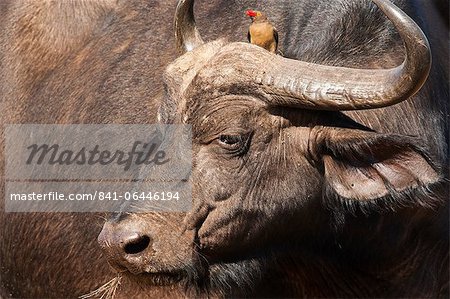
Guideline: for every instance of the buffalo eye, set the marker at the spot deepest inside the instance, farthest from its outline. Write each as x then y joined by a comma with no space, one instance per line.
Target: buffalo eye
236,144
230,140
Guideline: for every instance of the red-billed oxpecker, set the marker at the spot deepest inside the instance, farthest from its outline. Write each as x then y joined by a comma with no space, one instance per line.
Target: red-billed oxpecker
261,32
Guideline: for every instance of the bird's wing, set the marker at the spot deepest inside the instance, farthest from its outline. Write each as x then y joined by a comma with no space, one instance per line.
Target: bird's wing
249,36
275,36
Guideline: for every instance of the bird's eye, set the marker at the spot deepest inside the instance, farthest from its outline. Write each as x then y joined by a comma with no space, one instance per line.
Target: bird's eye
235,144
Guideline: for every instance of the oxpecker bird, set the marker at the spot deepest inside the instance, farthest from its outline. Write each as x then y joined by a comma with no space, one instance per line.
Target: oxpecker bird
261,32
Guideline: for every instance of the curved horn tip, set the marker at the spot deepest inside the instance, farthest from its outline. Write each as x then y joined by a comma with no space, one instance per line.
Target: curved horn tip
414,39
186,34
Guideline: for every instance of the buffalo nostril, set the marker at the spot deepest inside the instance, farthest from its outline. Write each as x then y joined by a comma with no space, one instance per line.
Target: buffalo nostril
137,244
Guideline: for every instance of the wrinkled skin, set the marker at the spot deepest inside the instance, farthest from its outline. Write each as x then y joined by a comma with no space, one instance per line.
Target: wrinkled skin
272,233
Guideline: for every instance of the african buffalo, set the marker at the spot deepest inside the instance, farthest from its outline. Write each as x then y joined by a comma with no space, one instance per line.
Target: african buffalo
298,189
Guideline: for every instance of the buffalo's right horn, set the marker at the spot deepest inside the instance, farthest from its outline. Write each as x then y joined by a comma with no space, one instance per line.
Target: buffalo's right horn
186,33
312,86
293,83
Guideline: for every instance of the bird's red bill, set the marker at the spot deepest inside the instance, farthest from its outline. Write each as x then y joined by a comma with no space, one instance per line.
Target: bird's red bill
250,13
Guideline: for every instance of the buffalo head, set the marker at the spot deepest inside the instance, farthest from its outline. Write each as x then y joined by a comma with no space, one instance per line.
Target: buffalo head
275,163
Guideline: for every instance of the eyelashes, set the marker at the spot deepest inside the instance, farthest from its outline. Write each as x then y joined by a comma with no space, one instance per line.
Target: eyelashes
235,144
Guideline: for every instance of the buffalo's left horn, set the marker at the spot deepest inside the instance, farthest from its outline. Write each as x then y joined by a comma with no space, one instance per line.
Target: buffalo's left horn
186,33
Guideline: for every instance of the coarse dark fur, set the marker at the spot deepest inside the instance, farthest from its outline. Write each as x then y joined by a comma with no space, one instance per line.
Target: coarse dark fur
302,239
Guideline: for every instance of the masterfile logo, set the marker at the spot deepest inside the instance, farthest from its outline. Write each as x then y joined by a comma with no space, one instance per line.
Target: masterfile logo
90,168
53,154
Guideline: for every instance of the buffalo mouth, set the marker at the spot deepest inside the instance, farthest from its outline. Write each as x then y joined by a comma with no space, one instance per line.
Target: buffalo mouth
163,278
149,277
185,274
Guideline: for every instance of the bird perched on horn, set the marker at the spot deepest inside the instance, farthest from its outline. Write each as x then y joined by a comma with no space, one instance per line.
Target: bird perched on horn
261,32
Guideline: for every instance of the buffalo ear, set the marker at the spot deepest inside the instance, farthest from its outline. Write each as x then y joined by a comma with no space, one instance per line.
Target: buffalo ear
368,167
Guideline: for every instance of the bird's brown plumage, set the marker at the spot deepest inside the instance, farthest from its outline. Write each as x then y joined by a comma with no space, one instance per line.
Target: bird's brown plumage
261,32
